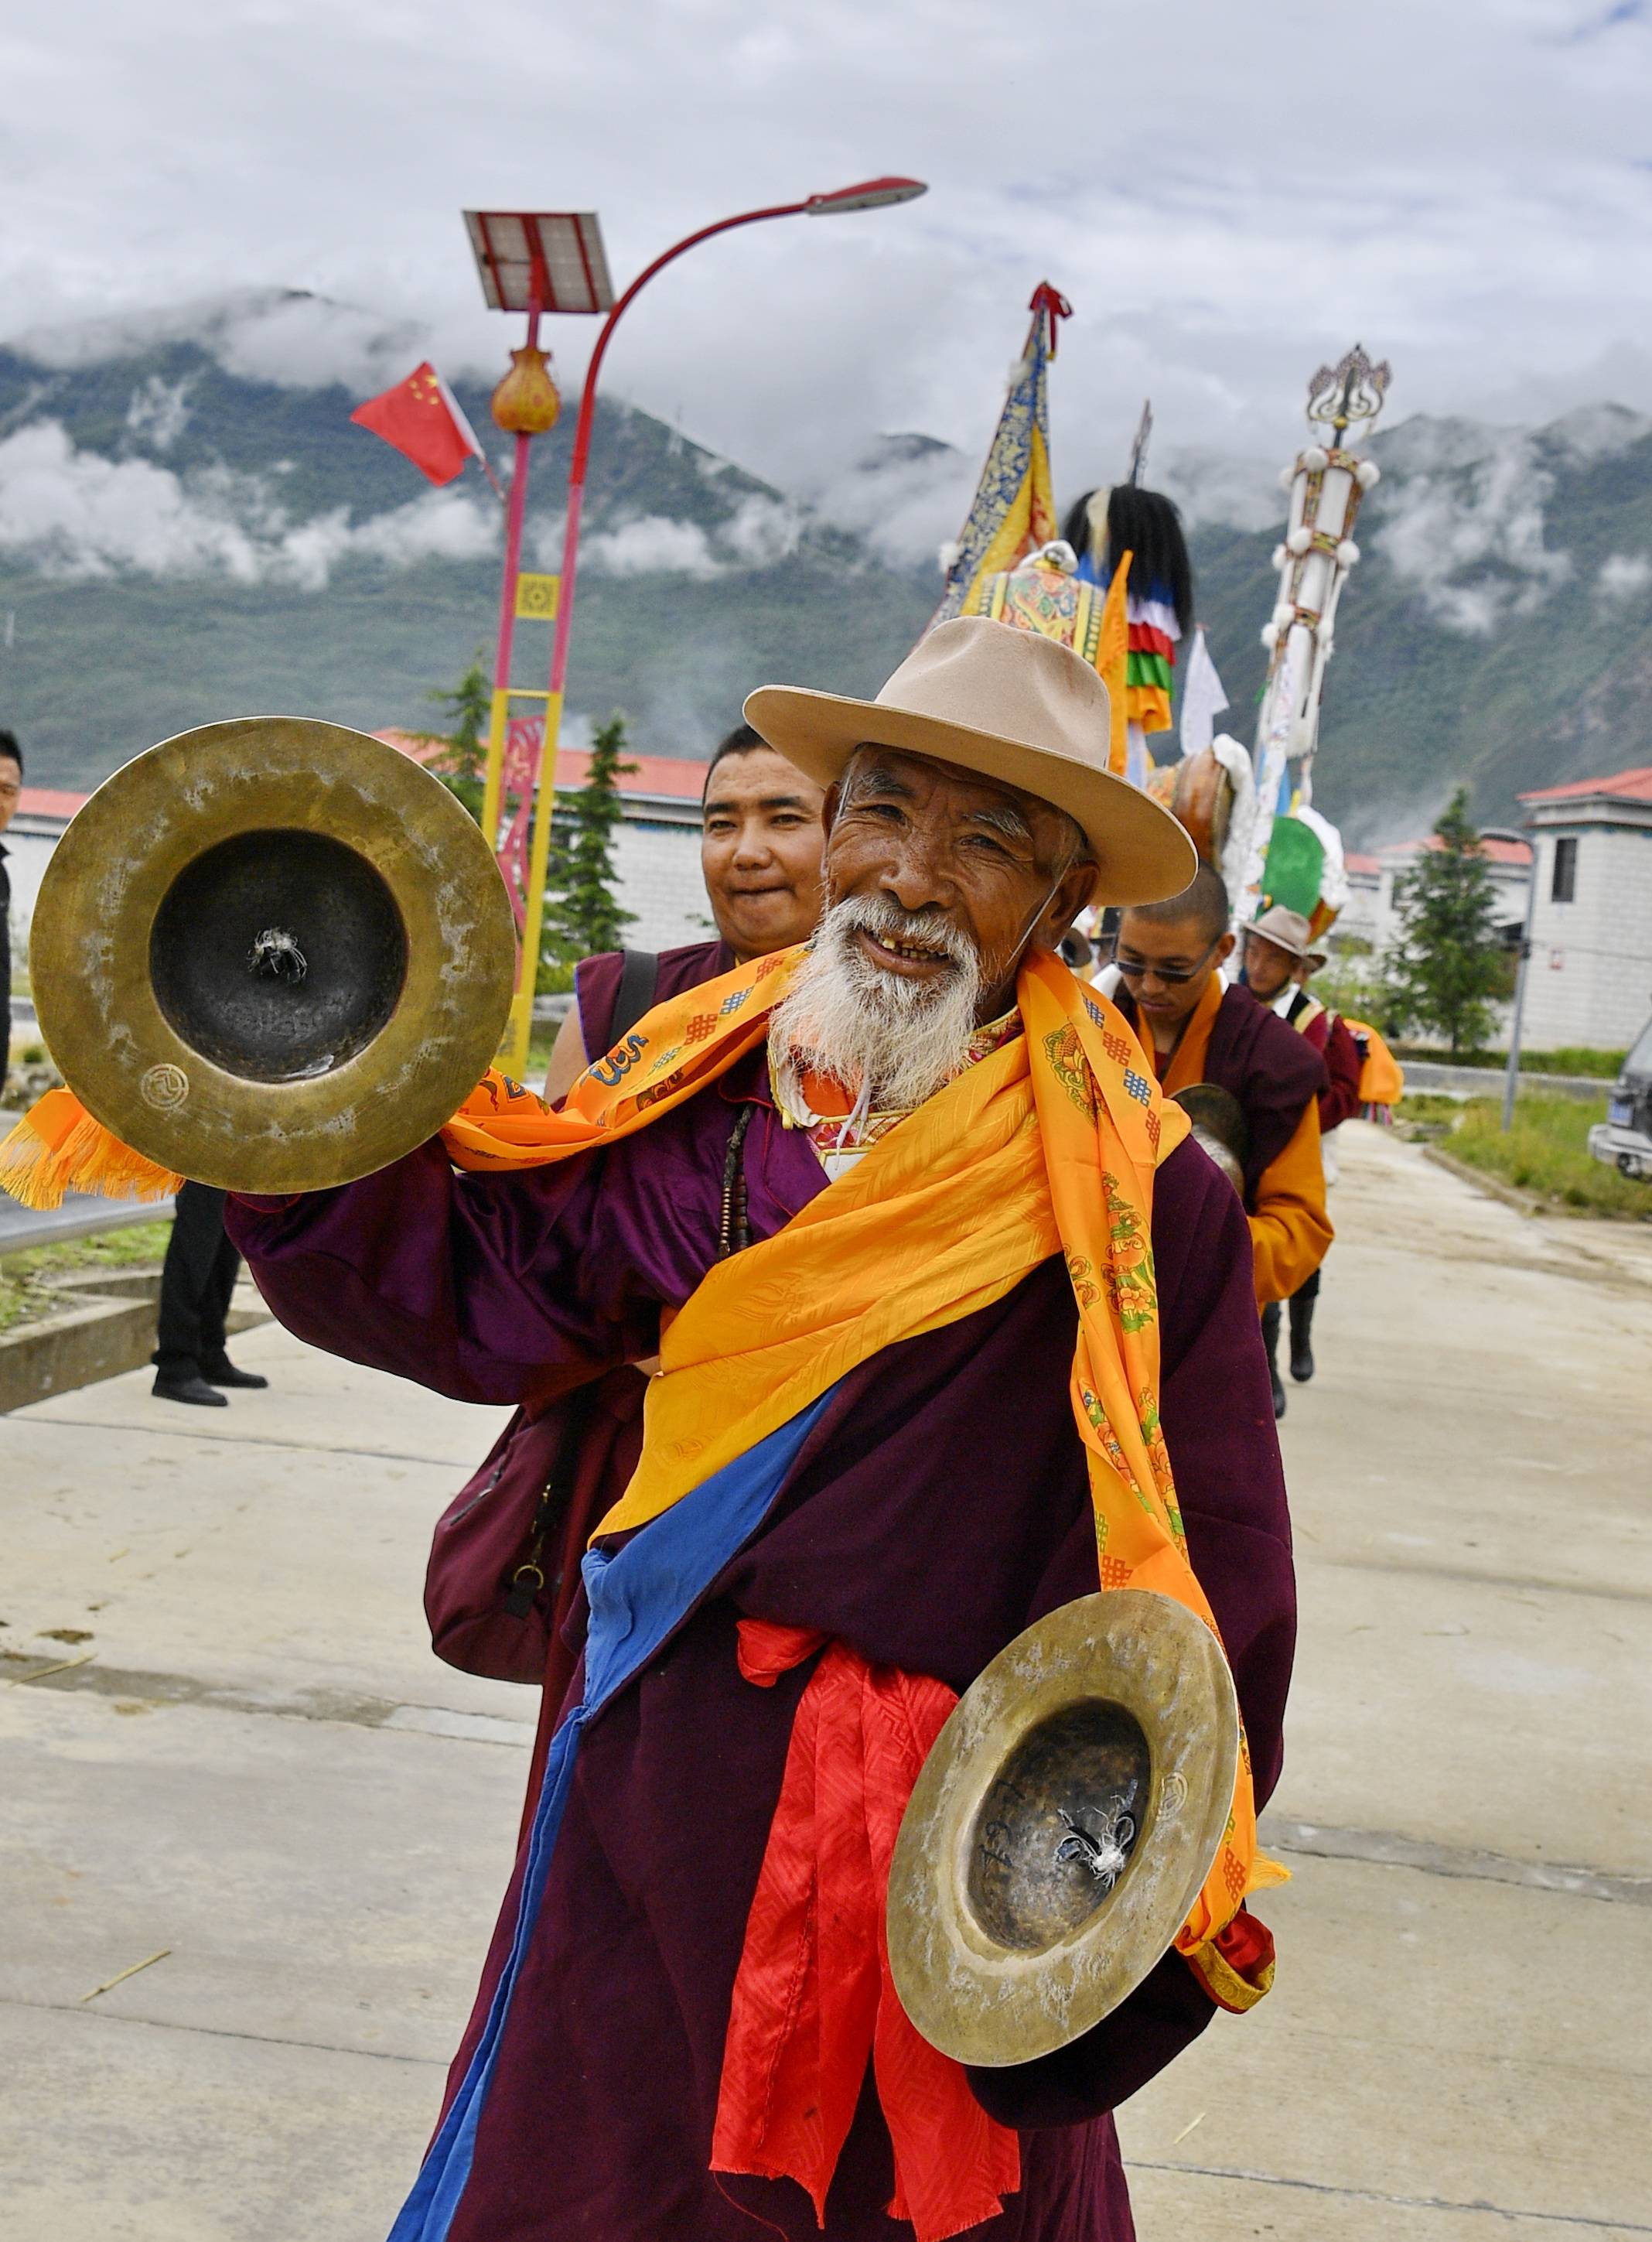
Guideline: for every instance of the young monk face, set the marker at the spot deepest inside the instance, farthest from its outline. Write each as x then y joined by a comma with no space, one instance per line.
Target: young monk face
1167,965
938,872
1268,968
760,845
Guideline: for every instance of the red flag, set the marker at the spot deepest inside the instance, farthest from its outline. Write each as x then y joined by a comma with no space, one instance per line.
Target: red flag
420,417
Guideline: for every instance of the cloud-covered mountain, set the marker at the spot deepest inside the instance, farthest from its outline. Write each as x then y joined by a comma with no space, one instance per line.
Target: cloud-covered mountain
190,528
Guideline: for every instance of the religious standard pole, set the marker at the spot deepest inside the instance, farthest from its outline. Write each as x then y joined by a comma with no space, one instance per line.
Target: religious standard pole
874,194
1325,483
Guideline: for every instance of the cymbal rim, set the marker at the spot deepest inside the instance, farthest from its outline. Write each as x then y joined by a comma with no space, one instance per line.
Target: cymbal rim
990,2005
128,1063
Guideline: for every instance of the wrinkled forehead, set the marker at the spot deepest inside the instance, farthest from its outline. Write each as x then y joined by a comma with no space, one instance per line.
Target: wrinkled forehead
946,791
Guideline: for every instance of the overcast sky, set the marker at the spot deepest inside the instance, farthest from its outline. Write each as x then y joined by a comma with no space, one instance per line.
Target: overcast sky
1227,192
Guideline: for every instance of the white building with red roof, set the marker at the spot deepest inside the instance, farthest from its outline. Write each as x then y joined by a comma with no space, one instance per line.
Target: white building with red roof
1590,980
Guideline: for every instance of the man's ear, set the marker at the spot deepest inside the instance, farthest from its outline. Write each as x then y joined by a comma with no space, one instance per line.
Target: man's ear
1070,896
1225,947
830,806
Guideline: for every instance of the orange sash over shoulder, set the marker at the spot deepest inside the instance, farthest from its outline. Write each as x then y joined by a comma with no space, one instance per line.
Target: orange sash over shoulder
1048,1145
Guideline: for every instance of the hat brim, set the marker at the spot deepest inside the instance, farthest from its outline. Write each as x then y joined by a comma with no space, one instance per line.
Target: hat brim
1143,853
1280,941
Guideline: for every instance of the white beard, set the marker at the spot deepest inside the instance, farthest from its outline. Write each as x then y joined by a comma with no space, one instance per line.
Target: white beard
896,1040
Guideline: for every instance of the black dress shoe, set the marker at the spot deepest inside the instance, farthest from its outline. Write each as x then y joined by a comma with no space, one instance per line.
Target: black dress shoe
226,1373
1279,1391
196,1391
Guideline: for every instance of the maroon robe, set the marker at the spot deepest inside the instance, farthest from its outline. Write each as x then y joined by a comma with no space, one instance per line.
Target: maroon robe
941,1505
1271,1070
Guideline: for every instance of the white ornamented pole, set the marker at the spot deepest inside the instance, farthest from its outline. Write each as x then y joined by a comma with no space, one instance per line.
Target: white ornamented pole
1325,485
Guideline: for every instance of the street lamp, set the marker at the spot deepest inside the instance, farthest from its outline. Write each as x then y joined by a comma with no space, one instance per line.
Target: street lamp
540,780
1511,1075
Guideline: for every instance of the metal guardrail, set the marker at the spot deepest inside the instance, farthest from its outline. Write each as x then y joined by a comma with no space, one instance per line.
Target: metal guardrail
1487,1081
80,1216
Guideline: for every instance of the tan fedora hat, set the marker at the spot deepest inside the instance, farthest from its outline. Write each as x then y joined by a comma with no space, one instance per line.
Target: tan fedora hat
1009,704
1287,930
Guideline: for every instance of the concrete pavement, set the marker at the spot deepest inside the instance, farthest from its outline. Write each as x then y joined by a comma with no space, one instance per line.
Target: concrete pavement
261,1769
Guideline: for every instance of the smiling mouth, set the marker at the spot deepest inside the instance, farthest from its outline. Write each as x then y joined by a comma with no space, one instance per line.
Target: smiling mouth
902,954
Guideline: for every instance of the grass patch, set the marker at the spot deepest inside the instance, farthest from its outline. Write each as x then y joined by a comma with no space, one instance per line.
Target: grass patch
1547,1151
1574,1058
27,1280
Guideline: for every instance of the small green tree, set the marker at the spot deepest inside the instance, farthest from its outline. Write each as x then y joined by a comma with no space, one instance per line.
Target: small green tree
463,768
582,914
1448,962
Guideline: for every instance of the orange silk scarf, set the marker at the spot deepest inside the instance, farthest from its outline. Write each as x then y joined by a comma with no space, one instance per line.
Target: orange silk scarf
1048,1145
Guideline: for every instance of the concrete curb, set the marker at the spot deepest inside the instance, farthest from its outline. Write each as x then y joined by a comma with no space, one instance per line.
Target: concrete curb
1523,1201
106,1327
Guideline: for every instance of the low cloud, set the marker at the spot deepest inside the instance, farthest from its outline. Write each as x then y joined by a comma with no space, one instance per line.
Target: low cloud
159,410
76,516
653,544
290,337
759,532
904,494
1625,576
1466,526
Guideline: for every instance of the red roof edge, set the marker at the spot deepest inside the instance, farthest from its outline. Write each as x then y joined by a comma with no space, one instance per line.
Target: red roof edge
1623,785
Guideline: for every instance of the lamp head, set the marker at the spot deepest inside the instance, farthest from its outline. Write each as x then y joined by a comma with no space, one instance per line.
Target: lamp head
870,194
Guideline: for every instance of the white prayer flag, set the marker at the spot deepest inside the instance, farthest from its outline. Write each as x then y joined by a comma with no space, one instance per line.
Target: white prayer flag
1202,698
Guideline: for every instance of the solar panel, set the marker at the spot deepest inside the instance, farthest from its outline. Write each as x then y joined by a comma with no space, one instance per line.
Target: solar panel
555,255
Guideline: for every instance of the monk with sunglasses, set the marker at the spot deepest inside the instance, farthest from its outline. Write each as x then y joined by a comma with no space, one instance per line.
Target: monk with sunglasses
1199,1030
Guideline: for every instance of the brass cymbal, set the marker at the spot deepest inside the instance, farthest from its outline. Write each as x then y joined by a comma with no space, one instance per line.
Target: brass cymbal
273,955
1062,1826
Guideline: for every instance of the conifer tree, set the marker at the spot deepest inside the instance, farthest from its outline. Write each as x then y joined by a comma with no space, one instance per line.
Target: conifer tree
1448,962
463,767
582,913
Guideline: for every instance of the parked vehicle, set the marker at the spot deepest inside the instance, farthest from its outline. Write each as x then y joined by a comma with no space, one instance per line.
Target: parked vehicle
1623,1140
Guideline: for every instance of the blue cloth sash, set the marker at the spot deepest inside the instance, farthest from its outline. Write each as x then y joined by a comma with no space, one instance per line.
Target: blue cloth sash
638,1595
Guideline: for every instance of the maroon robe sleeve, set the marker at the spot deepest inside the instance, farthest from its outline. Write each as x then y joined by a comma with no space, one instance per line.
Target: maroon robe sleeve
1340,1101
1216,1407
483,1287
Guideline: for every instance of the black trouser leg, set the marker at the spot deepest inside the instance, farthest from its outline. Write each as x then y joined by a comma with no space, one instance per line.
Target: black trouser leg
1270,1340
215,1309
196,1283
1302,1329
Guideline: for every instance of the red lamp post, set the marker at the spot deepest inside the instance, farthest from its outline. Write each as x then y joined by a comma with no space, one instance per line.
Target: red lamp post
870,194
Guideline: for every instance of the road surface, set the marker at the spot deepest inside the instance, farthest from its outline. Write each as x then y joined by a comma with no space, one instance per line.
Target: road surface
260,1769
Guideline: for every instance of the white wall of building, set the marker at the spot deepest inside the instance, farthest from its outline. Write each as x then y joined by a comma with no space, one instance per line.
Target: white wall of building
1590,978
29,843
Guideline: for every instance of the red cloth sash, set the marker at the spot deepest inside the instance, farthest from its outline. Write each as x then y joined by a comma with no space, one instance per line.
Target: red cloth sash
813,1998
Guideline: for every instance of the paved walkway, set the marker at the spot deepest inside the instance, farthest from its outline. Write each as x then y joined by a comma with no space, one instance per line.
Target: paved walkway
261,1768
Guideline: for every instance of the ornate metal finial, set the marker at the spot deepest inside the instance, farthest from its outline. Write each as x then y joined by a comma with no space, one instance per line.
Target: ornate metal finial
1350,390
1139,448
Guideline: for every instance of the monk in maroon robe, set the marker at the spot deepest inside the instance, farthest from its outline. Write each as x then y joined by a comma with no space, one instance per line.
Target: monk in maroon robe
937,1502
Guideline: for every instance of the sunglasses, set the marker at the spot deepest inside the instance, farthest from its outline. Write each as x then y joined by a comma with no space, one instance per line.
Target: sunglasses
1172,978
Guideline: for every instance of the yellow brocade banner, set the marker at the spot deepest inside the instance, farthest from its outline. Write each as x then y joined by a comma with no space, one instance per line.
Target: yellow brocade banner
1048,1145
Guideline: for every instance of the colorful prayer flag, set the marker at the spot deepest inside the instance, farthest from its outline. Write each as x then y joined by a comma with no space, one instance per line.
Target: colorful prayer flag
1013,509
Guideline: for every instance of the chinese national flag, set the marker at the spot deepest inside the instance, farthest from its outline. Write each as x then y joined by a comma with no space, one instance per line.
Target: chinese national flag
422,419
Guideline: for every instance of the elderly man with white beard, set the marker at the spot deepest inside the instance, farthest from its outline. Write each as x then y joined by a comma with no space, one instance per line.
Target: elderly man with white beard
955,1325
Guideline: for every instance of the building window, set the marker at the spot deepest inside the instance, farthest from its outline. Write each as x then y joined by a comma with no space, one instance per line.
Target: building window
1563,886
